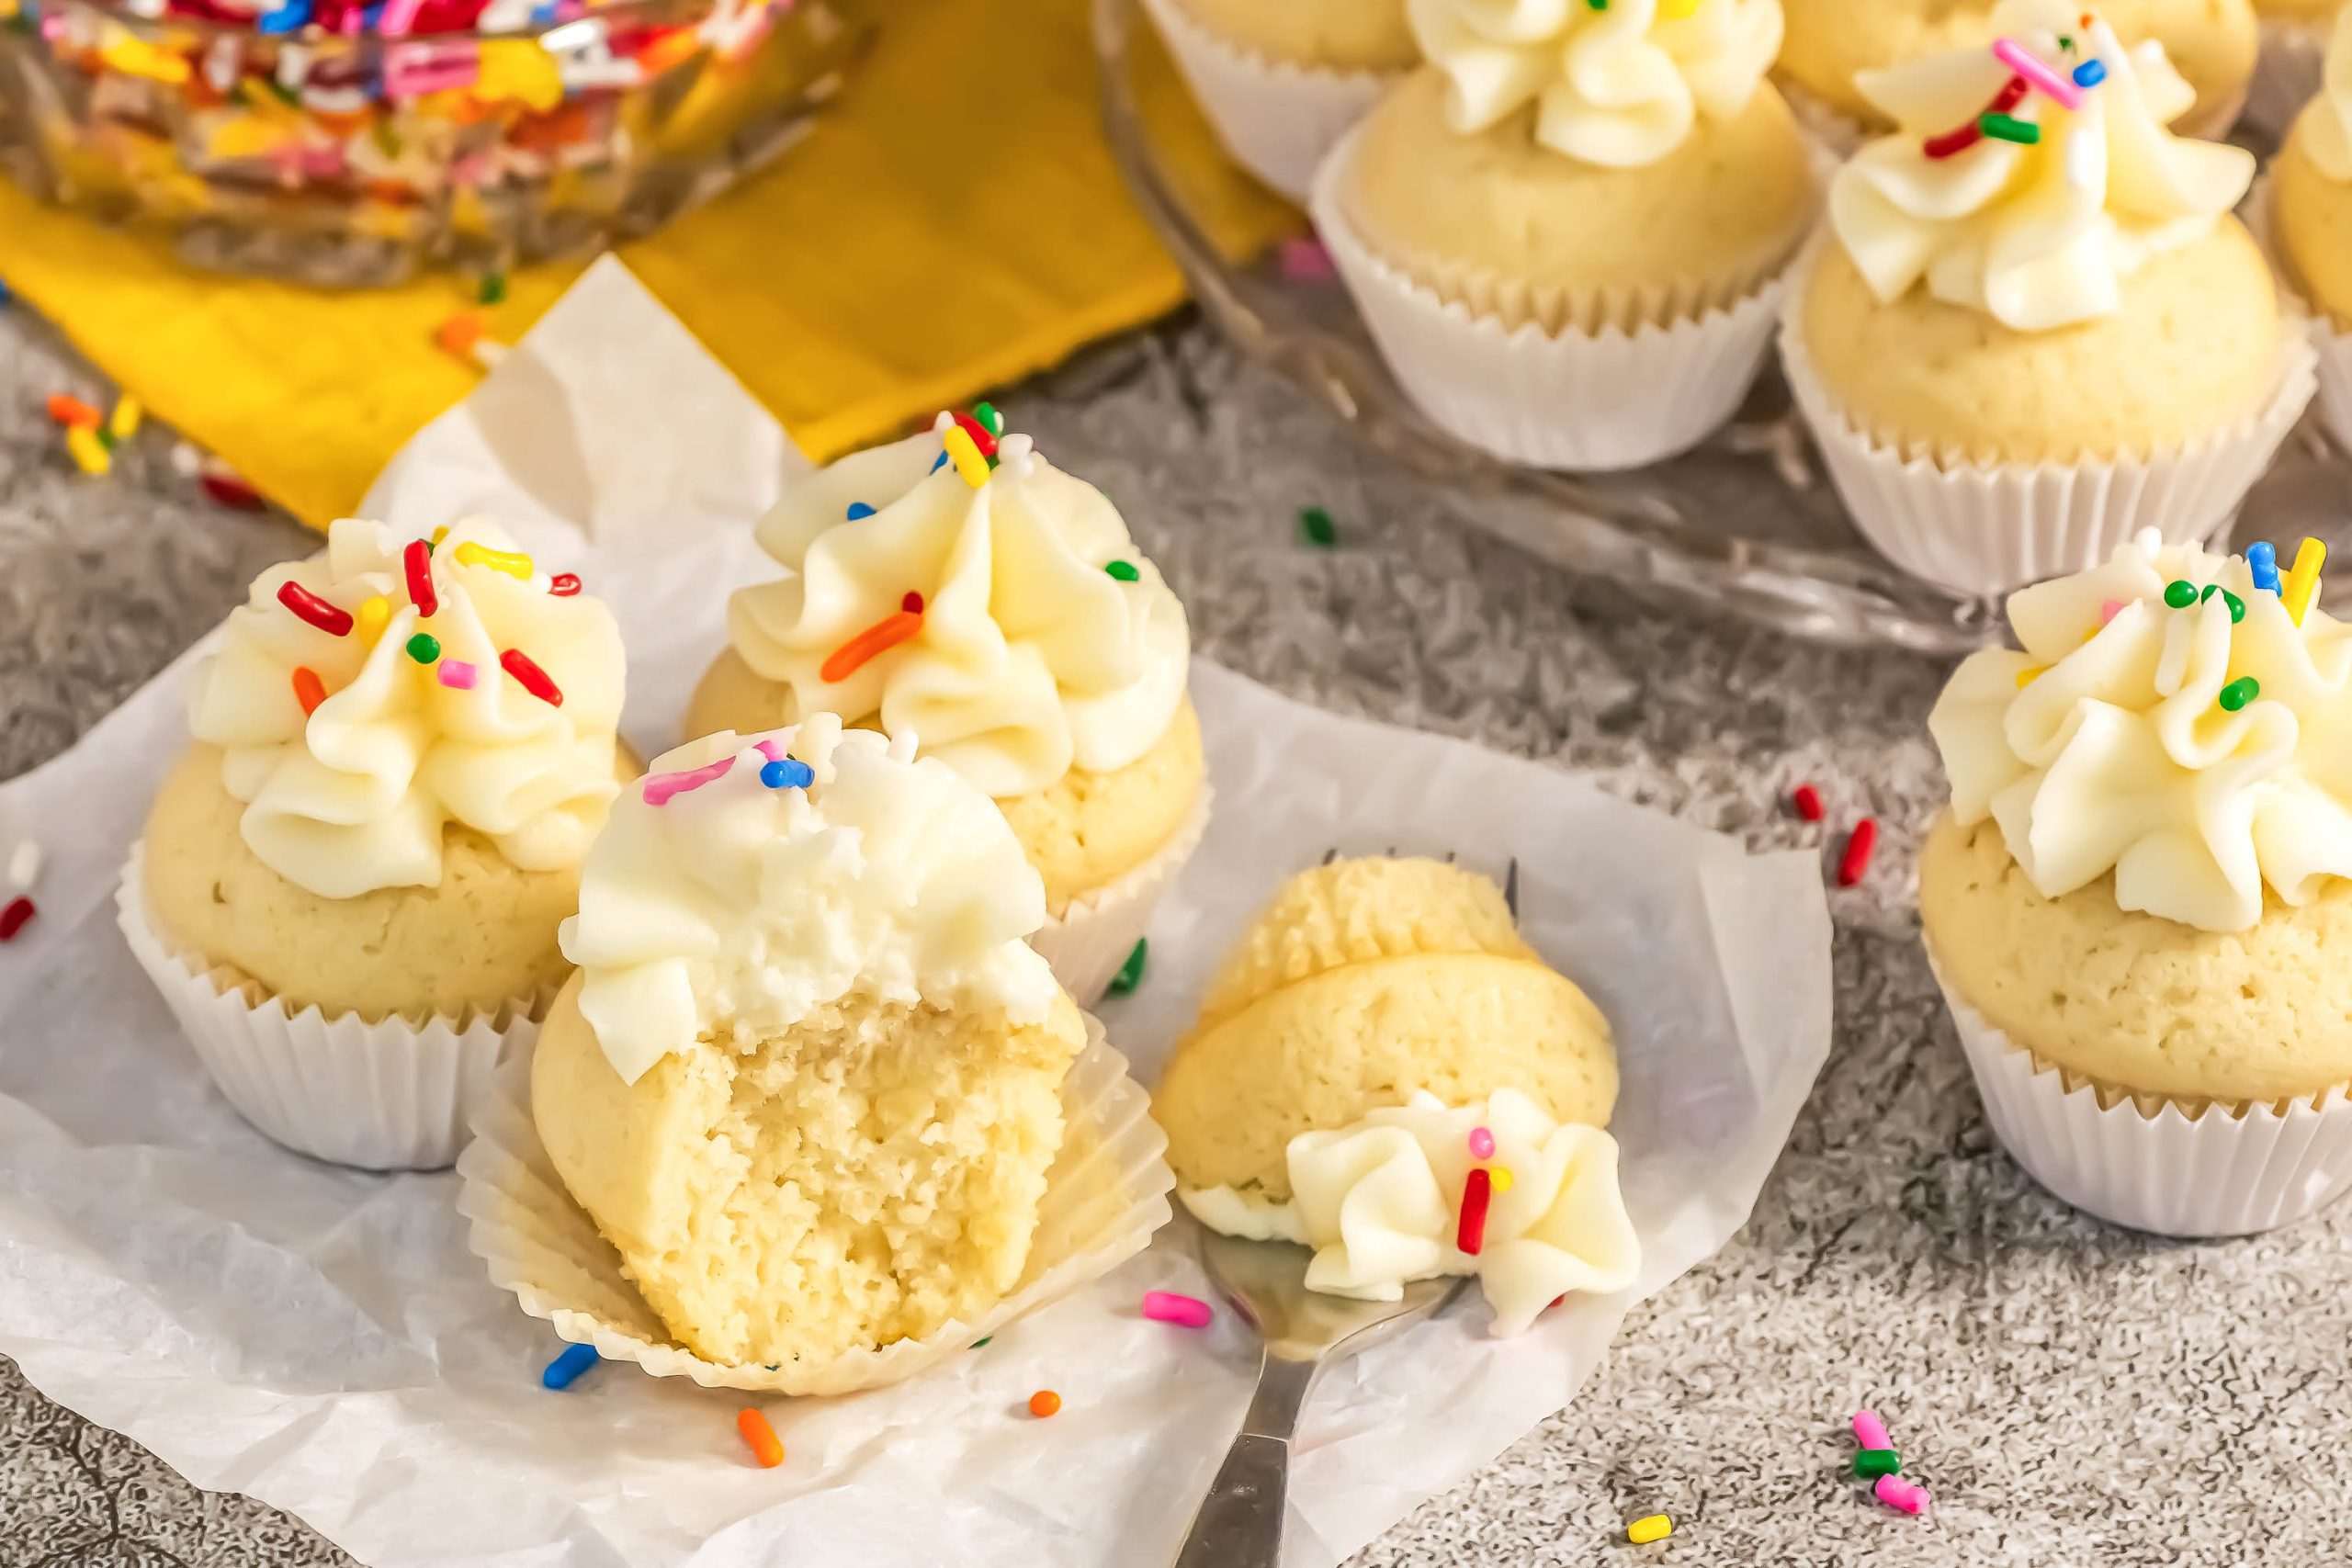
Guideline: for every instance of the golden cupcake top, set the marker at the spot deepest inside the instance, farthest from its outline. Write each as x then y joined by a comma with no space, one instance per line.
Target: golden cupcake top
2326,129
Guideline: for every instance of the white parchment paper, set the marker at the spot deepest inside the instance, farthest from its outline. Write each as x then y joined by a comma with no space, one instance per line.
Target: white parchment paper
323,1341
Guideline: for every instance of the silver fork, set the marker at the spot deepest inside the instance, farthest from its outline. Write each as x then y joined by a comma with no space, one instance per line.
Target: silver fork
1301,1332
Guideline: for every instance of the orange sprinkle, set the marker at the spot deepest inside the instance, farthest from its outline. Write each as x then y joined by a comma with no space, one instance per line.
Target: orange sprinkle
877,638
308,690
74,413
1044,1403
458,335
766,1447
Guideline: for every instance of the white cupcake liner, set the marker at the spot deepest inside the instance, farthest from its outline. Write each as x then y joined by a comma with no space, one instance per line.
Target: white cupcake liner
1988,528
2226,1171
1105,1195
1580,400
2332,345
390,1095
1276,119
2286,74
1088,944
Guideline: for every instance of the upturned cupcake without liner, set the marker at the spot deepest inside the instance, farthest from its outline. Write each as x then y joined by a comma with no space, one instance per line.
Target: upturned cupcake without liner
1088,944
2287,74
1987,529
1105,1195
1588,402
2148,1162
382,1095
1275,120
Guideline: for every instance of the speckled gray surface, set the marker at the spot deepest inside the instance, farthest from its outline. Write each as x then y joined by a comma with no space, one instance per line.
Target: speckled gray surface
2071,1394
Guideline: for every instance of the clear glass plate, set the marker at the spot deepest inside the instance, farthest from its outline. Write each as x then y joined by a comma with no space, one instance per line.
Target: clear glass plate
1748,523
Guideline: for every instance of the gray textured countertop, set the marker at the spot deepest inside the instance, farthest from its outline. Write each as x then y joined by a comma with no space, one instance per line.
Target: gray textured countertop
2071,1394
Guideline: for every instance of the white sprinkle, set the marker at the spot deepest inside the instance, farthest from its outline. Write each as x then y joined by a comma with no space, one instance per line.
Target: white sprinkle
187,461
24,865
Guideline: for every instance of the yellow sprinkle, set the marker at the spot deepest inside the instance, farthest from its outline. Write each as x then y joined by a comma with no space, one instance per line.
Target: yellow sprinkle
967,456
1501,1177
136,57
1658,1527
440,534
373,613
128,412
1675,10
2303,582
89,452
2030,673
512,563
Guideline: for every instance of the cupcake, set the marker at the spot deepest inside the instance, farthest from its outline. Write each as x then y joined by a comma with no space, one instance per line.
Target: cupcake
2213,43
2310,212
2294,43
825,1108
976,597
1282,80
2133,898
1568,232
2032,329
349,887
1384,1072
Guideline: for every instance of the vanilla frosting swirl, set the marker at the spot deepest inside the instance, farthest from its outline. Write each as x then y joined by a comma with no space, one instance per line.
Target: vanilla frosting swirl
2104,747
717,904
1618,87
1031,658
354,796
2326,125
1380,1204
2036,236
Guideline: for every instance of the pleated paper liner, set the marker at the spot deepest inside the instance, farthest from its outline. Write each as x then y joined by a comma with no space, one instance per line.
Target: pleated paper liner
390,1095
1984,528
1589,400
2288,73
1106,1194
1088,942
1277,121
2152,1163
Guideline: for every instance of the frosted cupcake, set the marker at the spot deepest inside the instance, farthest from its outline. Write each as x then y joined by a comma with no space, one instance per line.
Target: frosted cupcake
1383,1071
2310,211
1282,80
995,608
2213,43
349,887
2147,865
1568,234
831,1117
2294,43
2033,327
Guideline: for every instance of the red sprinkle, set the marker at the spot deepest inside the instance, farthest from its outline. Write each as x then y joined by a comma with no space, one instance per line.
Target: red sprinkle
230,492
13,918
530,677
417,562
308,690
1856,862
1961,138
979,434
1476,1193
308,606
1807,800
564,584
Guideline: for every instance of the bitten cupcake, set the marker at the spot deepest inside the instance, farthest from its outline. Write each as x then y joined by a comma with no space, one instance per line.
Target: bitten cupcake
2213,43
1282,80
1383,1071
2294,40
2034,326
2309,211
2135,899
832,1119
958,588
1568,234
349,887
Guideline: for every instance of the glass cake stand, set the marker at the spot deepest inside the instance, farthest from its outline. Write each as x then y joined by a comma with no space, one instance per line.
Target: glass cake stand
1748,523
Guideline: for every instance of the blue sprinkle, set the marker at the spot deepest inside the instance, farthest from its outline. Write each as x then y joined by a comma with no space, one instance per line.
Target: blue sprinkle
787,772
565,1369
4,295
290,17
2262,560
2090,73
941,464
859,510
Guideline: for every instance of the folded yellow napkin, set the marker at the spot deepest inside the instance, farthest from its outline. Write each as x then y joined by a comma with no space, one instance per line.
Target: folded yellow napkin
952,222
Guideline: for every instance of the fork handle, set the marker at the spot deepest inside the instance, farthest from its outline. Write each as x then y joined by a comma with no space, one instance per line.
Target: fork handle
1240,1521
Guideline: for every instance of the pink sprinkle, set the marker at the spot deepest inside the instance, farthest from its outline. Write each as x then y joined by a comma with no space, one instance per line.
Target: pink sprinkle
2028,64
1870,1431
661,787
771,749
1482,1144
458,674
1166,1306
398,17
1306,261
1897,1492
2108,610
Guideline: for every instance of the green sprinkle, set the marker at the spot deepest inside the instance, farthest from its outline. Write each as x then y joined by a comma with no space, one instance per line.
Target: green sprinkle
493,288
1125,570
424,648
977,1343
2236,604
2009,128
1319,527
106,437
1877,1461
2239,693
2181,595
1130,974
988,418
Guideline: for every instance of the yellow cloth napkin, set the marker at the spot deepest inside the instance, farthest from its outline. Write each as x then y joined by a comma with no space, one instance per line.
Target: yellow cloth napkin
952,222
